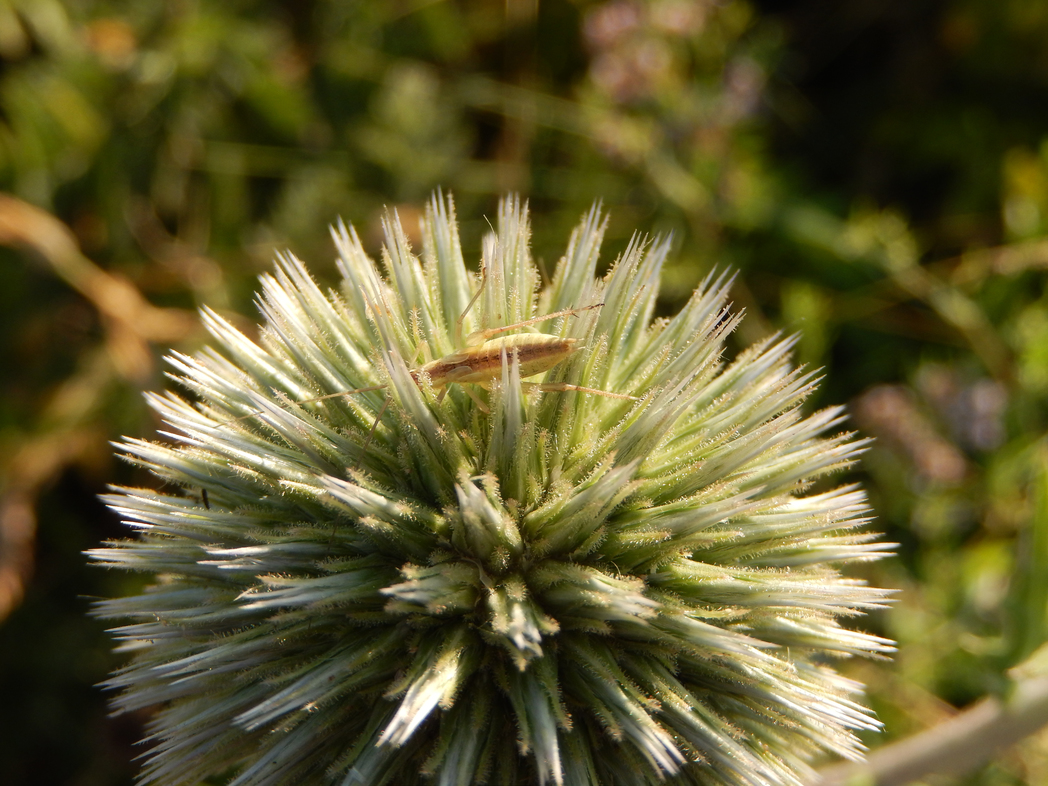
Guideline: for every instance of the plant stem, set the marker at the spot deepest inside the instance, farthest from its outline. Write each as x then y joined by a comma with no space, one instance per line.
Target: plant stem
955,746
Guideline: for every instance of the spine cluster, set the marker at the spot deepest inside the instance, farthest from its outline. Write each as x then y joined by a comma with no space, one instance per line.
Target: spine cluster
510,582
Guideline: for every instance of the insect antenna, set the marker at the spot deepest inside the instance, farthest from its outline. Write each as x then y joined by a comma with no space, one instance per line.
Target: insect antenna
469,305
255,413
367,441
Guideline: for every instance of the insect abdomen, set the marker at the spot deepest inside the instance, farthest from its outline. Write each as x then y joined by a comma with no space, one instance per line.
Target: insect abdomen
480,365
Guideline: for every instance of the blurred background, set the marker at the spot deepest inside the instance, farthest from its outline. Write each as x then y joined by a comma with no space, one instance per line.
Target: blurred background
877,170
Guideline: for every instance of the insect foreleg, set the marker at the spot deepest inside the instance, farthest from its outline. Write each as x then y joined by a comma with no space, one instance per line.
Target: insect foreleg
469,391
455,376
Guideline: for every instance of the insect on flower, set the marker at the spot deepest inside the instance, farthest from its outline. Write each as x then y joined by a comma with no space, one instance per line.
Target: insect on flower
481,362
547,590
483,356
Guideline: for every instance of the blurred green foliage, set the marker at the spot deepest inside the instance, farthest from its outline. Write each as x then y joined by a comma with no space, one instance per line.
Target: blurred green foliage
877,171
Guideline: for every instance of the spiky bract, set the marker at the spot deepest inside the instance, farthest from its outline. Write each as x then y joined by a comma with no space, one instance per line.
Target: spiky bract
556,587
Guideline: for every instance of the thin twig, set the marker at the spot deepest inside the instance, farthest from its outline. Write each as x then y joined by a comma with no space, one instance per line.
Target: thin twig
954,747
131,321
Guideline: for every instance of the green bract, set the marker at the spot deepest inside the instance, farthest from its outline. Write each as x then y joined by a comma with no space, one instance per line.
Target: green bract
553,588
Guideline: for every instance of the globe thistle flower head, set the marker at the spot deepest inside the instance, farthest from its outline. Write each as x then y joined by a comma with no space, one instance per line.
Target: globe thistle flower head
411,547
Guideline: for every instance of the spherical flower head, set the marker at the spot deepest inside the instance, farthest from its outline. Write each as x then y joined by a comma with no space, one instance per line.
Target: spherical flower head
412,547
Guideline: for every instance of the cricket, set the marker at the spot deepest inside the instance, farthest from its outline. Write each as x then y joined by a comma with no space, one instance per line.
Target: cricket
480,361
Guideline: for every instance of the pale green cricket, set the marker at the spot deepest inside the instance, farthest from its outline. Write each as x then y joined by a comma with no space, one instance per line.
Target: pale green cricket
481,360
